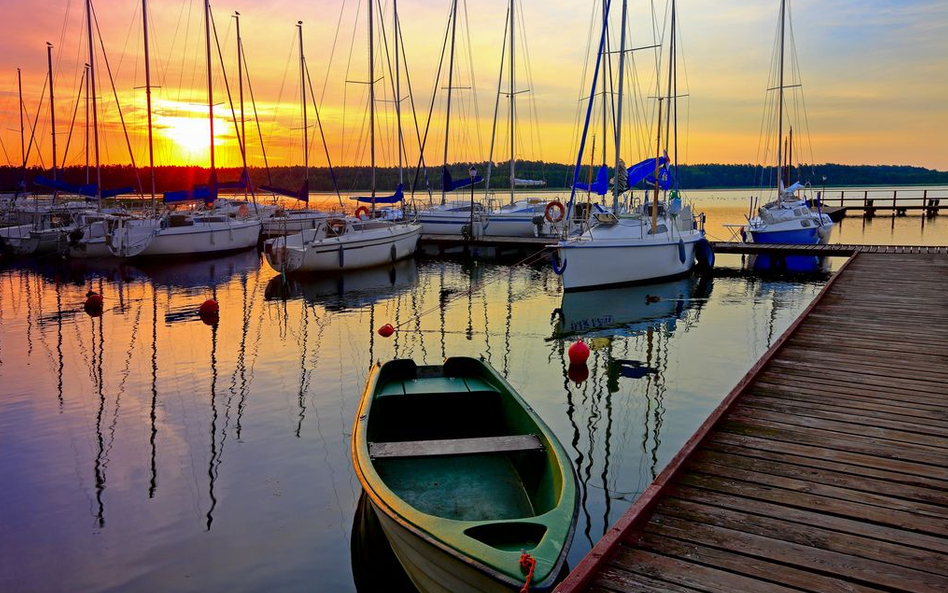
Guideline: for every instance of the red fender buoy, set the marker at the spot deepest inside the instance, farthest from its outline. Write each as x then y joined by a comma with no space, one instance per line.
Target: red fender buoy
209,312
93,304
386,330
578,352
209,307
360,211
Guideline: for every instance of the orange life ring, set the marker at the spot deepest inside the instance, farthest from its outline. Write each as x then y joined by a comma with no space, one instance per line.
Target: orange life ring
243,211
560,211
360,210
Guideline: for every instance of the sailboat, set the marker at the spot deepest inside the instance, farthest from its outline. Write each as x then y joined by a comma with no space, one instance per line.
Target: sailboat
347,243
291,221
788,218
462,215
656,241
519,217
192,231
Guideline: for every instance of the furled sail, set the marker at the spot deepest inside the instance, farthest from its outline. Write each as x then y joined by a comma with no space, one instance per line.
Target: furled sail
88,190
645,171
207,193
601,184
450,185
398,196
302,194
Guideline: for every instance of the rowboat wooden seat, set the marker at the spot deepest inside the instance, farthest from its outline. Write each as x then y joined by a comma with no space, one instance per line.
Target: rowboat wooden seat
472,446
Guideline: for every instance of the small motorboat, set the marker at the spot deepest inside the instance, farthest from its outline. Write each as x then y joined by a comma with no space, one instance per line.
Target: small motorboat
471,488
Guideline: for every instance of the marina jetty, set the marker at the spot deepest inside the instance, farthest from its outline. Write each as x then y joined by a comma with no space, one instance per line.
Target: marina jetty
824,469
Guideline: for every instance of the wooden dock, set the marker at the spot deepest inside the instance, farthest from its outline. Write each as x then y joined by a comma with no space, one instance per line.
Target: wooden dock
824,469
829,249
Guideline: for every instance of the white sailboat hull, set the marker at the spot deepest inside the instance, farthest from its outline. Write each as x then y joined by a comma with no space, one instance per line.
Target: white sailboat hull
91,249
291,223
602,262
365,249
212,237
148,238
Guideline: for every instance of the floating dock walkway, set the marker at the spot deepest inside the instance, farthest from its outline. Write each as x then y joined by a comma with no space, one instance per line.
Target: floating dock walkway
824,469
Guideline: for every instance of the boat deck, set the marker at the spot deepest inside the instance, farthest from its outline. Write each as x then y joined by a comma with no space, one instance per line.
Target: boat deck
824,469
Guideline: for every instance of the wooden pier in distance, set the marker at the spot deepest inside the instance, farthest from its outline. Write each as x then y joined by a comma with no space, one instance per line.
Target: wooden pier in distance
824,469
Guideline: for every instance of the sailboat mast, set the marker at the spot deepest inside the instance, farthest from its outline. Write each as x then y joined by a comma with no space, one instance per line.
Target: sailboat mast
398,94
658,149
615,187
151,147
86,74
372,100
447,121
52,104
783,8
299,26
210,94
675,92
240,84
19,84
513,125
605,64
95,117
671,78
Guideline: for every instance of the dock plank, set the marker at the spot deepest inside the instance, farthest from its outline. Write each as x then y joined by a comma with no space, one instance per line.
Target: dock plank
826,467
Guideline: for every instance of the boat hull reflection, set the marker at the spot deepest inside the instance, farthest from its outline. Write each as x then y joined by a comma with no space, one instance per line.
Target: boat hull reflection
628,310
802,264
374,565
344,290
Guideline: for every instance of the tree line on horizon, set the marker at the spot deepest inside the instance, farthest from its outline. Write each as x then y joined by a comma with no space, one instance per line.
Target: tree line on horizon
556,176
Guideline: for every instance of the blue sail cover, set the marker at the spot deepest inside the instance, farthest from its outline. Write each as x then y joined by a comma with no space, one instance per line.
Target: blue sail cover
600,186
188,195
88,190
398,196
241,183
207,193
302,194
664,179
645,171
451,185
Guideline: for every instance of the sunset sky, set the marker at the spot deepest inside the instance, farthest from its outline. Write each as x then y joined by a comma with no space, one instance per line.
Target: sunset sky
874,75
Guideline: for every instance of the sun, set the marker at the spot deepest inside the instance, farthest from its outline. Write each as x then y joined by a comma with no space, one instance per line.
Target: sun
190,134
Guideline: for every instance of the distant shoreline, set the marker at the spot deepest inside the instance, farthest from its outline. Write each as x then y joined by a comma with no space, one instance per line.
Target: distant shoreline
556,175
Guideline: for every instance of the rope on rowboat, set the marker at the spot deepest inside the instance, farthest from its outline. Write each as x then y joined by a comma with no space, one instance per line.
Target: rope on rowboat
527,564
447,298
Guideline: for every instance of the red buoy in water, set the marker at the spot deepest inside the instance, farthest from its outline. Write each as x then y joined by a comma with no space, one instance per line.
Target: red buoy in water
386,330
578,373
209,307
578,352
209,312
93,304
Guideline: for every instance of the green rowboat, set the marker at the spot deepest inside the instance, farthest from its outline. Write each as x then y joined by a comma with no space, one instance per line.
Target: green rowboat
464,477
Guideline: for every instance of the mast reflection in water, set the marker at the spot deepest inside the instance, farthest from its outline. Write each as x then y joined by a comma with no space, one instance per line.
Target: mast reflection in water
146,450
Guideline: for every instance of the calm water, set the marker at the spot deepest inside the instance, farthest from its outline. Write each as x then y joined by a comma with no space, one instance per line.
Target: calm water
144,450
